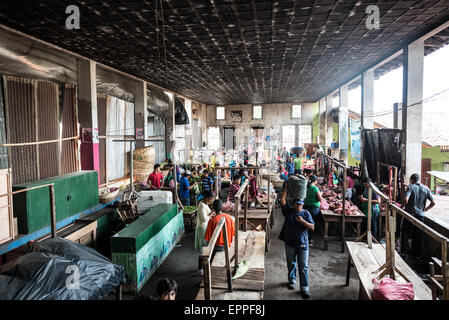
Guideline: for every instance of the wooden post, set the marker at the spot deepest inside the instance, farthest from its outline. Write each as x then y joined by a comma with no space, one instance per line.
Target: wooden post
387,232
368,229
444,270
217,189
207,279
392,250
343,217
245,225
228,263
395,187
432,275
269,191
175,180
53,211
237,227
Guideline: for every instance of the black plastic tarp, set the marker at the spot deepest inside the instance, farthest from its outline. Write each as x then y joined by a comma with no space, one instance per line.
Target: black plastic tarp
382,145
158,102
181,116
59,269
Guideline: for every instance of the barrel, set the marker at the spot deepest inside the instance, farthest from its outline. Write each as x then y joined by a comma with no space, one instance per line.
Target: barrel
297,187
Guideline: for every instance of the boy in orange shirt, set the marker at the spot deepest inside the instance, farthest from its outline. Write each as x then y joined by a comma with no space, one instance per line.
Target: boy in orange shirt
213,222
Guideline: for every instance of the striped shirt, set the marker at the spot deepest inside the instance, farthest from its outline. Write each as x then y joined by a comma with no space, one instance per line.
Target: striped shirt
207,183
233,189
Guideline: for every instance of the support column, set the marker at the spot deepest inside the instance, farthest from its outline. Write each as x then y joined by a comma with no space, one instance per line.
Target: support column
140,113
87,116
397,116
330,123
323,121
368,100
412,108
343,123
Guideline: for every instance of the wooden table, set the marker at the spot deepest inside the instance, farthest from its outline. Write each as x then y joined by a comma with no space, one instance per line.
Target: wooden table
258,217
251,285
367,261
330,216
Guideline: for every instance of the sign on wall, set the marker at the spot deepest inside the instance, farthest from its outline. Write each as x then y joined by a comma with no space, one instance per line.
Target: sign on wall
354,126
236,116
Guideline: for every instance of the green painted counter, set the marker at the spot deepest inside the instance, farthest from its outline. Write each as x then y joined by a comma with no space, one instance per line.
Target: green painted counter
74,192
143,245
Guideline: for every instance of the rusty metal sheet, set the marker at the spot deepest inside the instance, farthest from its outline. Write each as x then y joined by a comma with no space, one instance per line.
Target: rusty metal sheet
3,150
21,127
47,120
101,110
69,148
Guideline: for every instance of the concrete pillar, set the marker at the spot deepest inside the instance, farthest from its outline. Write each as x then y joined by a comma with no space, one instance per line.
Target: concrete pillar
323,122
412,107
140,113
297,136
397,116
343,123
87,116
367,100
330,123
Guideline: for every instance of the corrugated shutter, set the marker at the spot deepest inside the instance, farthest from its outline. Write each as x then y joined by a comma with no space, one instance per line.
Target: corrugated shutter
21,127
3,150
101,109
47,120
69,148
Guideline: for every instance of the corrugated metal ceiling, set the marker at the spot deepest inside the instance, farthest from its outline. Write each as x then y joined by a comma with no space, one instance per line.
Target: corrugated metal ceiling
229,51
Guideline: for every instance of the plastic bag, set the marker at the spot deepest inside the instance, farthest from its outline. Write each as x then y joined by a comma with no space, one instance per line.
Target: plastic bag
59,269
297,187
389,289
324,205
181,116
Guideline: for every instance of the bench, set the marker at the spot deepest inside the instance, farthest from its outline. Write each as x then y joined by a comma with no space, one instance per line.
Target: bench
367,263
251,285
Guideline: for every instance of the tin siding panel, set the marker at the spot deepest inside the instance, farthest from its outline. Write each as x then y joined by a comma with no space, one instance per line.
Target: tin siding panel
20,115
101,109
47,111
3,150
69,151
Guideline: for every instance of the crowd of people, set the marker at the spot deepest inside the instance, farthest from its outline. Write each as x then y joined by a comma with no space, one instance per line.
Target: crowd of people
301,215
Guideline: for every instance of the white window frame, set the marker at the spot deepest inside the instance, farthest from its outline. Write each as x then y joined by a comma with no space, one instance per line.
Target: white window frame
224,113
261,111
300,111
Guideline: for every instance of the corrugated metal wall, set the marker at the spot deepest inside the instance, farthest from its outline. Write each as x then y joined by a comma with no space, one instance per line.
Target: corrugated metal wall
119,122
3,150
21,127
69,148
156,127
101,110
47,127
32,110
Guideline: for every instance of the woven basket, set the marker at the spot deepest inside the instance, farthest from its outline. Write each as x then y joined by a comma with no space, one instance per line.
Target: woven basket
146,154
137,164
141,175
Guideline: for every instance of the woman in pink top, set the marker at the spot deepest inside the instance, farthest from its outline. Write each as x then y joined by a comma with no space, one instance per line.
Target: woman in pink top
349,184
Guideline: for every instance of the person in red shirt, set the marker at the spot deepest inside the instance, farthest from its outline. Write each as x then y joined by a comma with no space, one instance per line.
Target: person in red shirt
213,222
155,179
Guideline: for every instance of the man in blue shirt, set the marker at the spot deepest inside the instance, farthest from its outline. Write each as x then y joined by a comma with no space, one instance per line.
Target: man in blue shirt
207,181
416,197
290,166
295,235
184,188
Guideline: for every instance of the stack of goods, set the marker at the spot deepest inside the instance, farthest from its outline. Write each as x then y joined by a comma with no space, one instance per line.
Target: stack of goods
335,202
143,163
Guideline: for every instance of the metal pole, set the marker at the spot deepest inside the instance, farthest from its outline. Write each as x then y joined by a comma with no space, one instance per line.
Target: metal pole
131,169
52,211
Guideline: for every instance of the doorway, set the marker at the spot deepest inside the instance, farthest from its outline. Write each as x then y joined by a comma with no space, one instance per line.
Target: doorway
229,138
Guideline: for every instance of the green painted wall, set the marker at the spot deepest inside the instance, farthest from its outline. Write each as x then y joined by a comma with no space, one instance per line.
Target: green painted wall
437,157
316,122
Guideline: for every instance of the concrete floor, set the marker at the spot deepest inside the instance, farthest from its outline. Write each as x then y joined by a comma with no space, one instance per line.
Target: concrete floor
327,270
